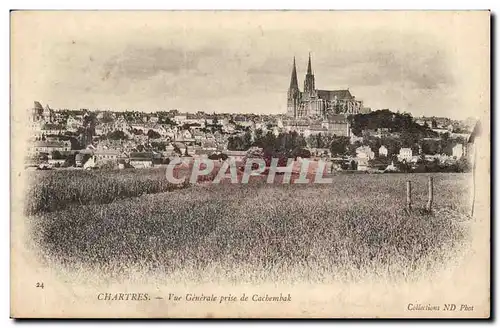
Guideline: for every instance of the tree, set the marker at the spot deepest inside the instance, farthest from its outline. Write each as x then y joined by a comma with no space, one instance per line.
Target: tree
75,145
137,132
247,140
301,152
107,117
161,146
70,161
56,154
153,134
319,139
339,146
312,141
117,135
430,147
352,147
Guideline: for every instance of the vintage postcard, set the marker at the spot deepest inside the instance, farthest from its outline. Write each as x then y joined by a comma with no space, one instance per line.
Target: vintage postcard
250,164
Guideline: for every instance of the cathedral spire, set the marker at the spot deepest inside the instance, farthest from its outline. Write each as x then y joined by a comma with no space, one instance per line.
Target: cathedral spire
309,70
309,80
294,84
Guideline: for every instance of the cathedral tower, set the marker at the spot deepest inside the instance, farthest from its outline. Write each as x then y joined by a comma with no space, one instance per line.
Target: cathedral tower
309,86
293,93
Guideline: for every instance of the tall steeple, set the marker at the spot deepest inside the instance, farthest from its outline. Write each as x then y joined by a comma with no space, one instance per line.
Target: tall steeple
294,84
293,98
309,70
309,80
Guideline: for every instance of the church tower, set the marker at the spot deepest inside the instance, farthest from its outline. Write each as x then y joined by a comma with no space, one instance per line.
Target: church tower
312,106
309,86
293,93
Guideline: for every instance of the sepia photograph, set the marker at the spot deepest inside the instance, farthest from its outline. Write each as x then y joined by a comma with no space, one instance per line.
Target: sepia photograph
250,164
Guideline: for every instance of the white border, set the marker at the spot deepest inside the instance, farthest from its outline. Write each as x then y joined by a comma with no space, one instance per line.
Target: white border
178,5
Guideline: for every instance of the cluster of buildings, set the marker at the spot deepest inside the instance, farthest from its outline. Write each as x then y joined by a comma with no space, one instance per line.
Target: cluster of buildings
140,139
406,155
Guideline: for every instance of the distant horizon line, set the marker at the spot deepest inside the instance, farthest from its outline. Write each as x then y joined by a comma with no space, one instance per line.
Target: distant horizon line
211,112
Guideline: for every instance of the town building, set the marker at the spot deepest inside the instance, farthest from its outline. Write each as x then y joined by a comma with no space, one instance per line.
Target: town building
38,147
457,151
38,113
107,155
405,154
382,151
365,152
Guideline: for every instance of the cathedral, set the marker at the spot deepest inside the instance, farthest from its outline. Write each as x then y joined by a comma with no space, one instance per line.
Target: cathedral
315,103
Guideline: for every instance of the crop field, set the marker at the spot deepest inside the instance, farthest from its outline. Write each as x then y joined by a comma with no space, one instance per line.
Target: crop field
247,232
54,190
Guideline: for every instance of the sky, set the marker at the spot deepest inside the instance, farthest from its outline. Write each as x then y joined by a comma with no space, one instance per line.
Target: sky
433,63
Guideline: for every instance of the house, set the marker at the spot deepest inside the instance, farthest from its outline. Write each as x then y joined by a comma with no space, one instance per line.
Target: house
365,152
139,127
79,160
186,135
190,151
56,162
247,124
53,128
198,135
229,127
121,124
362,164
353,138
457,151
377,133
107,155
99,130
209,144
405,154
276,131
179,119
90,163
382,151
337,125
441,131
48,147
141,159
72,124
420,121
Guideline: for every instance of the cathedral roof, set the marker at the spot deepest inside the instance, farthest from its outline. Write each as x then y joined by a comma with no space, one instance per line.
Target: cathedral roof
331,94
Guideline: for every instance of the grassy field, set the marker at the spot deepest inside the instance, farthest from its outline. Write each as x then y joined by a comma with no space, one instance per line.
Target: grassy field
352,227
55,190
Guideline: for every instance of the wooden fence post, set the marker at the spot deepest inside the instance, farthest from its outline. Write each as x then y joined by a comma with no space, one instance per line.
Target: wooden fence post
408,196
431,194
